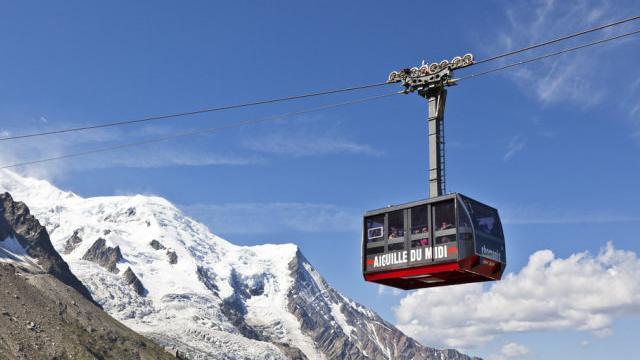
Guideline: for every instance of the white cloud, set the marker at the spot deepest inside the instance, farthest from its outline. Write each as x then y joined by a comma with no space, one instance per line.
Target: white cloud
510,351
191,151
299,144
516,144
382,290
577,77
154,155
582,292
256,218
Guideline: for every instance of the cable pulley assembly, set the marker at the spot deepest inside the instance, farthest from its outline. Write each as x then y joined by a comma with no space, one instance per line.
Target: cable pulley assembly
434,74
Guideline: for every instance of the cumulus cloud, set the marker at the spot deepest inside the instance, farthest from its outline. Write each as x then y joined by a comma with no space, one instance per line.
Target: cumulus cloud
250,218
510,351
583,292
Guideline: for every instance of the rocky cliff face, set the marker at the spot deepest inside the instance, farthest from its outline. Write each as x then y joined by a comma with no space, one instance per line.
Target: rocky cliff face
132,280
17,222
187,288
360,334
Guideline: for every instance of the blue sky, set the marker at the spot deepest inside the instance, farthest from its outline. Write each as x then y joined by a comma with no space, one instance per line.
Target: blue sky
554,145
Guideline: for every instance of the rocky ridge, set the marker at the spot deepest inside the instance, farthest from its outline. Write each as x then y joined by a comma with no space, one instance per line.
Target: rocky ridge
17,222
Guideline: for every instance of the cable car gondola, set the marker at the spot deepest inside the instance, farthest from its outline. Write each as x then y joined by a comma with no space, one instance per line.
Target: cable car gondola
447,239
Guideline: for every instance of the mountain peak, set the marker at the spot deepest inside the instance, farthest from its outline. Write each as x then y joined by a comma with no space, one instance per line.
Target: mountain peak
174,280
30,188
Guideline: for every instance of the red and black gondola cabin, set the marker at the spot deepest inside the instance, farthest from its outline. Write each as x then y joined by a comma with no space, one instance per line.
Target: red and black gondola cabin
446,240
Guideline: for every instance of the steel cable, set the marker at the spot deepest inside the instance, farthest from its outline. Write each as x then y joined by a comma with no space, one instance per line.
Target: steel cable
546,56
201,131
195,112
566,37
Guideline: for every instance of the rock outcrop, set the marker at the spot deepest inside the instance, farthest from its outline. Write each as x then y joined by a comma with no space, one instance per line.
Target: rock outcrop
156,245
105,256
16,221
173,257
132,280
72,242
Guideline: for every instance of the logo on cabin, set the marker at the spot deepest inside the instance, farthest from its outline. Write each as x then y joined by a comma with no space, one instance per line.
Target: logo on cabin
413,255
491,254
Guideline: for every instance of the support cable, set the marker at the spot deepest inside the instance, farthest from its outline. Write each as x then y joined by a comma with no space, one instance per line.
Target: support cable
202,131
327,92
566,37
195,112
545,56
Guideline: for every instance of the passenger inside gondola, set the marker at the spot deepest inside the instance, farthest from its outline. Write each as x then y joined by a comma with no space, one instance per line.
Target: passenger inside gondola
423,240
445,215
445,225
396,225
419,220
419,230
420,242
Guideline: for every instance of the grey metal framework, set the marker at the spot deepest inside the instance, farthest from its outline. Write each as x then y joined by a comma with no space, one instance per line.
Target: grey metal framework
429,81
436,97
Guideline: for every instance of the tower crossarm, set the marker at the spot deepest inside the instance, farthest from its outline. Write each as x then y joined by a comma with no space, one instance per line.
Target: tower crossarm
429,75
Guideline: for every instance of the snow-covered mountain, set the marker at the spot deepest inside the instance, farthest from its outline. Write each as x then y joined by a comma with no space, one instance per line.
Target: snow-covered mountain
46,312
168,277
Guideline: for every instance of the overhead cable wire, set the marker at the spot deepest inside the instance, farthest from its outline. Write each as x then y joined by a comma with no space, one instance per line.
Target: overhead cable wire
302,96
547,56
553,41
195,112
202,131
